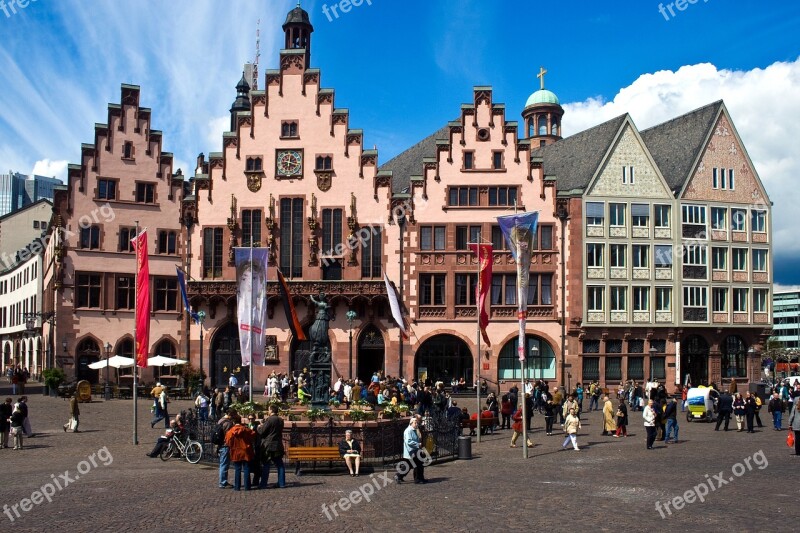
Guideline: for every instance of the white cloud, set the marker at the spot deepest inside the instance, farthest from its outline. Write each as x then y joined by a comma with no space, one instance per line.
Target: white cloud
51,169
763,103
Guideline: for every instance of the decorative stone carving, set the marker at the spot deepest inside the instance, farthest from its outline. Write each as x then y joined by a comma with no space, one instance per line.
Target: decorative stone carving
596,316
619,316
641,316
595,273
663,273
663,317
663,233
618,273
641,273
595,231
618,231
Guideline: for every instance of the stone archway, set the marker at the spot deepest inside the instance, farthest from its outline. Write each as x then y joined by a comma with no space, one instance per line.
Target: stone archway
226,356
442,358
370,353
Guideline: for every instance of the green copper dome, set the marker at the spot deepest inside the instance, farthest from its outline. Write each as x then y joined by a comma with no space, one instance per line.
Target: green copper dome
542,96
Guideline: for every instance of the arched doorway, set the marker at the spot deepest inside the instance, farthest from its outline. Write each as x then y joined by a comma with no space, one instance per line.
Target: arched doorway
371,353
442,358
694,360
226,356
87,353
540,360
734,357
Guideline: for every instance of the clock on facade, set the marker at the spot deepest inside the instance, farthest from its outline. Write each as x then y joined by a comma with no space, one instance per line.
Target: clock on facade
289,162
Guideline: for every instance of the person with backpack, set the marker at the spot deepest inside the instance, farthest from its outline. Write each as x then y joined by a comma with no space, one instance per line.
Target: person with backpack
218,438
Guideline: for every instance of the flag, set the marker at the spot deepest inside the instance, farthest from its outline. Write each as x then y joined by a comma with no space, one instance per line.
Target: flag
519,231
394,303
485,260
142,299
251,276
182,284
288,307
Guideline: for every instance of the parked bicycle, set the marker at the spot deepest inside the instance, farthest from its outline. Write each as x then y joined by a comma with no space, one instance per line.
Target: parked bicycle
182,445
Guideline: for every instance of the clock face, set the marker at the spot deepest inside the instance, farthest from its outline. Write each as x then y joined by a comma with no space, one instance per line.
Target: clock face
290,163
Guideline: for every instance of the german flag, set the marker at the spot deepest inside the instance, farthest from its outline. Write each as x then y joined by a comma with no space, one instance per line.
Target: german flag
288,307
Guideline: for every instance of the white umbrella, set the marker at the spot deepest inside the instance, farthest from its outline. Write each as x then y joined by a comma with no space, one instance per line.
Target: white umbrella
160,360
117,361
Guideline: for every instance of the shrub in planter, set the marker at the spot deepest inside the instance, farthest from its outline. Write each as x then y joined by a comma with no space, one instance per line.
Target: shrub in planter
53,377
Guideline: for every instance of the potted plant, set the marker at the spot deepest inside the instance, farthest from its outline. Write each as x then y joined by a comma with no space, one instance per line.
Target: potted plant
359,415
315,413
53,377
395,411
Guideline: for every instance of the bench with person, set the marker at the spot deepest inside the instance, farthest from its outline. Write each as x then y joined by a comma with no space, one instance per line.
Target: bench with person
313,454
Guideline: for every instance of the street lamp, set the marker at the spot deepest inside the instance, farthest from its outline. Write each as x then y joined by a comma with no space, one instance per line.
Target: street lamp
107,387
351,315
563,216
653,353
201,317
535,355
401,224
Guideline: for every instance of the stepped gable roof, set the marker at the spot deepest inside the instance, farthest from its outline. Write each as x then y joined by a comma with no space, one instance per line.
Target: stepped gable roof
409,162
676,144
575,160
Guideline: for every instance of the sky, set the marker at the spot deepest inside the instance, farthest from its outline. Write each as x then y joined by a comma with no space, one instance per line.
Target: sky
403,68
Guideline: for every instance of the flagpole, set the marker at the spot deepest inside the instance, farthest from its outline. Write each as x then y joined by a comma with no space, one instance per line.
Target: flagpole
252,276
478,336
135,349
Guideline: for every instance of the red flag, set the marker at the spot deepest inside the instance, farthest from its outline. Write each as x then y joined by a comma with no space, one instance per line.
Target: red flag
485,260
142,299
288,307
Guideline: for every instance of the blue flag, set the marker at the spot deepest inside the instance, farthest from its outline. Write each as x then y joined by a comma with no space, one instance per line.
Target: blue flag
182,283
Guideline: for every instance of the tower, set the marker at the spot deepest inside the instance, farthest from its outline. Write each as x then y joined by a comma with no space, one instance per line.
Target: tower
298,30
542,115
242,102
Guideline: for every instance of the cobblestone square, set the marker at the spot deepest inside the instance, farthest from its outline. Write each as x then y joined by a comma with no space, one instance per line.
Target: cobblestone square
611,484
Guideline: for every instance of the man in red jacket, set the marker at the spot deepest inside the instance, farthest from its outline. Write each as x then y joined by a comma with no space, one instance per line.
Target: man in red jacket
239,440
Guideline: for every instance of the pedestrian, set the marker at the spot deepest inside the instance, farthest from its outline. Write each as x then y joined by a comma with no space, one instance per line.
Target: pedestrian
759,404
17,419
684,396
749,410
239,440
649,416
219,404
775,406
227,422
579,392
571,426
201,402
739,411
517,427
568,406
505,411
671,415
725,408
26,423
622,420
549,415
6,408
794,424
74,413
733,388
271,433
161,407
412,453
609,425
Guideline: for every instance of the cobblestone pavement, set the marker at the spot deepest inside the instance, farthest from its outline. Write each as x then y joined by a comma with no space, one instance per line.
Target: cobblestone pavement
611,484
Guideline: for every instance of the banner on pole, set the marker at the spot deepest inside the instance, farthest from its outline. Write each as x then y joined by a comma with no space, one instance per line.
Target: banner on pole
394,305
519,231
288,308
142,299
182,285
485,260
251,276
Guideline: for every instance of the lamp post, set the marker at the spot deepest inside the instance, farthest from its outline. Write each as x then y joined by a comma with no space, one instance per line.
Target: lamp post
401,224
653,353
563,216
201,317
351,315
535,355
107,392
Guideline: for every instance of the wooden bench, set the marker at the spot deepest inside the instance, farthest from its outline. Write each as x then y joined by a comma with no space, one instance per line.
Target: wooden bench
486,424
313,454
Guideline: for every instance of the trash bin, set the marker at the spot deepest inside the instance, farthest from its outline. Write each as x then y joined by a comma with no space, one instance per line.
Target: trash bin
464,448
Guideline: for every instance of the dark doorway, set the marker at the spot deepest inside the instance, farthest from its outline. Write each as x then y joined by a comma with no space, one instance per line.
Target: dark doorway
694,360
226,356
443,357
371,353
88,352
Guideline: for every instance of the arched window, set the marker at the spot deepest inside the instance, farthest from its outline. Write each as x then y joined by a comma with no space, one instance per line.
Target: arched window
542,125
539,364
125,349
166,348
167,242
531,127
555,128
734,357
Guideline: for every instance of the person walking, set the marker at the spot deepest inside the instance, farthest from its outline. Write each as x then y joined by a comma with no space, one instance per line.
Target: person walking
161,408
505,410
26,423
739,411
794,424
549,415
622,420
239,440
759,404
571,426
749,411
517,427
271,432
201,402
671,415
74,414
6,408
412,445
649,416
725,408
775,406
17,430
609,426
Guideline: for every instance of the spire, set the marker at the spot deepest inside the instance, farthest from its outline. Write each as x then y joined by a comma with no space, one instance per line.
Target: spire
242,102
298,30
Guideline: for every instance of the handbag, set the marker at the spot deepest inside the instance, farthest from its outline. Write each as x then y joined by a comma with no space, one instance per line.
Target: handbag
790,439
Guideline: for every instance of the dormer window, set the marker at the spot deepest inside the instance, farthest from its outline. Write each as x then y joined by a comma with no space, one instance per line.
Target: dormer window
324,163
289,129
254,164
469,160
627,175
128,151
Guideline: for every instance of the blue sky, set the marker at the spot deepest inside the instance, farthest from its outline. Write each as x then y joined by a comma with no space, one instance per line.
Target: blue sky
403,69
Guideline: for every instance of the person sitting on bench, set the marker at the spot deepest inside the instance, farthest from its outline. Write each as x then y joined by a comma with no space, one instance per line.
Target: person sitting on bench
350,450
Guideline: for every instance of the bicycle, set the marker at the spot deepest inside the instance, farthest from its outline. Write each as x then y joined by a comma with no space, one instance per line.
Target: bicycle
182,445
